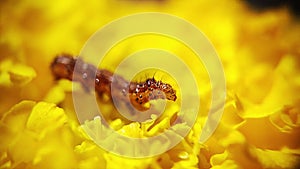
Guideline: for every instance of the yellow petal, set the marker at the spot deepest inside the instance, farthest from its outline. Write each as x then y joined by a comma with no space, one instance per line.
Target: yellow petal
45,117
218,159
132,130
231,114
14,122
287,119
5,163
228,164
114,161
276,159
55,95
21,74
190,161
4,76
24,148
90,155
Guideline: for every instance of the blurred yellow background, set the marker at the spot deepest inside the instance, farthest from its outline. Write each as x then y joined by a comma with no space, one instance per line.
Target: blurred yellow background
259,49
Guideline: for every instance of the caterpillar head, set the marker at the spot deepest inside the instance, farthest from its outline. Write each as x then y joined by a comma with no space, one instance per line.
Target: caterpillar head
142,93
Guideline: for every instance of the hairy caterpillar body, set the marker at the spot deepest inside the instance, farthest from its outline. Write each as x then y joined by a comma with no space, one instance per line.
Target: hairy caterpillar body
139,93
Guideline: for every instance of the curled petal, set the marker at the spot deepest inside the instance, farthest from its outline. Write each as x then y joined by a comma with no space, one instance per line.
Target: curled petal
287,119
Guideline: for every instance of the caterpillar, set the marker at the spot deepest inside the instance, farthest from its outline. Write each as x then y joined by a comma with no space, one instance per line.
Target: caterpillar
139,93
